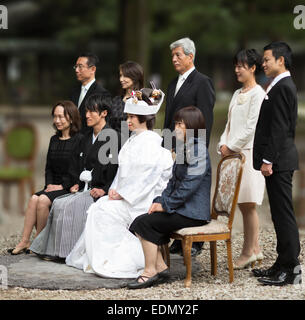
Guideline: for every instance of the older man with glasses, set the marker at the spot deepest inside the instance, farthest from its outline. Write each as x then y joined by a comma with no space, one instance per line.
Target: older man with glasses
85,69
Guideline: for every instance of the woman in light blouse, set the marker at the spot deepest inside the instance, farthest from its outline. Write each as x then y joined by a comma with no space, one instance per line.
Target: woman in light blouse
238,137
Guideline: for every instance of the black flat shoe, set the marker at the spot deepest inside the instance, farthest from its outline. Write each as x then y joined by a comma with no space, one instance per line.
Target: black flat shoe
282,278
145,284
52,258
164,276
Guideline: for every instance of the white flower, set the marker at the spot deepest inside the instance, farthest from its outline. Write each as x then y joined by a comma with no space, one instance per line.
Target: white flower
242,99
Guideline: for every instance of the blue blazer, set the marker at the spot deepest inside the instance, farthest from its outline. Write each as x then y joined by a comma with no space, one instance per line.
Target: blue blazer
188,191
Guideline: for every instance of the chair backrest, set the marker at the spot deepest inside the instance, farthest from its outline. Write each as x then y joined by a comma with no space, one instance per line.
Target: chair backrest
229,173
20,143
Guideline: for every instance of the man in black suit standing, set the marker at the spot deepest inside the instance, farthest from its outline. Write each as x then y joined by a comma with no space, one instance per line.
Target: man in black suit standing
190,88
275,155
85,69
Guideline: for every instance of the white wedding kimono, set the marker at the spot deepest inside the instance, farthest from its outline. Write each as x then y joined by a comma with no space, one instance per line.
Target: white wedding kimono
107,247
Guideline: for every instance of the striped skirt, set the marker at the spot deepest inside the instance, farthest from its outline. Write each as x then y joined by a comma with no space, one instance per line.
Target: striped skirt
65,224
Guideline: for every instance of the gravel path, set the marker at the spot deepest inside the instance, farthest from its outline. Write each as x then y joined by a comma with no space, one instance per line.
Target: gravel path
204,286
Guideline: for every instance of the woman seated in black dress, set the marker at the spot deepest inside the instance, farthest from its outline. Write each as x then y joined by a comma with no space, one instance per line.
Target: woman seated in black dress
184,203
67,123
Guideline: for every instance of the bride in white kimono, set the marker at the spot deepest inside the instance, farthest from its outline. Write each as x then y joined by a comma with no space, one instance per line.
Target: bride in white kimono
107,247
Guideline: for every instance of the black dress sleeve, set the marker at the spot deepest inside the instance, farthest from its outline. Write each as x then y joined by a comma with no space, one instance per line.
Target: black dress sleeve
69,178
76,164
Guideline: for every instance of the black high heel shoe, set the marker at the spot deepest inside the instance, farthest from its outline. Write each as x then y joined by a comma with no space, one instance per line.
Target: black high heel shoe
15,251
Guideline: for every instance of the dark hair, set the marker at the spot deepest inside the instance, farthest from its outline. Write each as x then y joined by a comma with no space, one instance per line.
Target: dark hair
99,103
249,57
281,49
93,59
134,71
192,118
150,120
71,113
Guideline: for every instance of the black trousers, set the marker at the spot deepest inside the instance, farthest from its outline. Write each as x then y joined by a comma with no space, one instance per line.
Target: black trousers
279,189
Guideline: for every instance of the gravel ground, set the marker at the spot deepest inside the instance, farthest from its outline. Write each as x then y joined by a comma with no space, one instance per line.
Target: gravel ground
204,285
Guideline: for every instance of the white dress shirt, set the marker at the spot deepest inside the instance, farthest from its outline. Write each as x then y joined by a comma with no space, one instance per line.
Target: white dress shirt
277,79
182,78
84,91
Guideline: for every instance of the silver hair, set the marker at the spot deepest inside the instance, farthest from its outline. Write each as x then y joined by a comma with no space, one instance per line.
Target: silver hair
186,44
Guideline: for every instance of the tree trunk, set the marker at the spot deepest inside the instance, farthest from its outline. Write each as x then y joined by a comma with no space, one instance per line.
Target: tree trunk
134,42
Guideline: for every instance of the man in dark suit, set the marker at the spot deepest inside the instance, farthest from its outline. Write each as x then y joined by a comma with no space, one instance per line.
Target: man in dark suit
85,69
275,155
190,88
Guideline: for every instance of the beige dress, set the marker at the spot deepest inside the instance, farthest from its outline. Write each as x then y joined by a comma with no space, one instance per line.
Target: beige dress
239,135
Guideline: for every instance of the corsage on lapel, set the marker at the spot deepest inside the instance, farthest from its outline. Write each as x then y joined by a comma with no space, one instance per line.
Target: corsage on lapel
242,99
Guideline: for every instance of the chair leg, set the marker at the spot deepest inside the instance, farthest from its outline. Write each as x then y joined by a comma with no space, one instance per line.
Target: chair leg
165,254
187,246
230,262
183,247
213,253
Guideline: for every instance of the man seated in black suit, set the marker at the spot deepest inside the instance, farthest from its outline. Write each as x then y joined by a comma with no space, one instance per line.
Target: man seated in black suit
85,69
275,155
190,88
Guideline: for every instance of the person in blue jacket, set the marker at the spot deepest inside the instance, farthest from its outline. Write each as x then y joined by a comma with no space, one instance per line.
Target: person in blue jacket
185,202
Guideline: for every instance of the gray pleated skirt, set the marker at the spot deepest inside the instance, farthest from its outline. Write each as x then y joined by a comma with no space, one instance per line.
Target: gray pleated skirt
65,224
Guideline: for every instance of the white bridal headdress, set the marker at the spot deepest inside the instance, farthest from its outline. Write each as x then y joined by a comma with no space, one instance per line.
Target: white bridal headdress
145,101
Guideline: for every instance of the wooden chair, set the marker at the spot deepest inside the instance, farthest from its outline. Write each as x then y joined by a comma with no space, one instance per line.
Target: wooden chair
20,147
229,173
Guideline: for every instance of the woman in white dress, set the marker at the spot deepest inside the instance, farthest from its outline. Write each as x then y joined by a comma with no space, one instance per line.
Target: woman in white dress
106,246
238,137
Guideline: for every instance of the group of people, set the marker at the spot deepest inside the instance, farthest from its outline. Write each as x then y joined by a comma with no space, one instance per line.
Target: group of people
138,198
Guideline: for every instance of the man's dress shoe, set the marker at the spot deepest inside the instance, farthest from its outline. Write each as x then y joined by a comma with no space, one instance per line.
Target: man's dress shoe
270,272
282,278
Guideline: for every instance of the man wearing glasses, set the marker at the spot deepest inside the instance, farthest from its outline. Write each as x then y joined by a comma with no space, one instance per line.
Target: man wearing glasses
85,69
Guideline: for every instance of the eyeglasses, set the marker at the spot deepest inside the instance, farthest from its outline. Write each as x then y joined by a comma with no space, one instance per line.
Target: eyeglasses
81,67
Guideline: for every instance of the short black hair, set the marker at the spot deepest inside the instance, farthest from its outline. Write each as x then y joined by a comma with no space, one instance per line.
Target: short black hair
93,59
192,118
281,49
98,103
248,57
